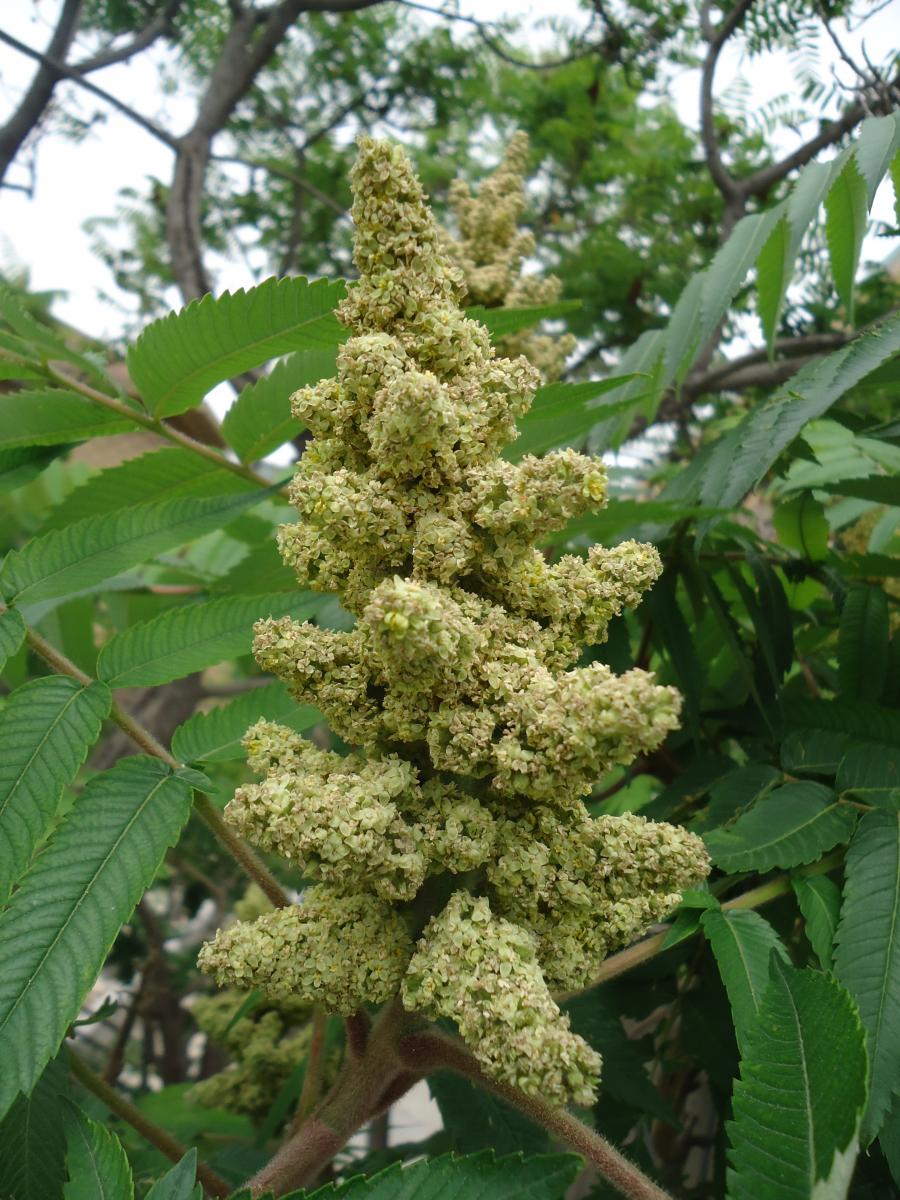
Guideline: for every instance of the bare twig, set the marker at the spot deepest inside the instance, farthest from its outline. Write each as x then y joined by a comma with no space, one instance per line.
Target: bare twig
161,25
34,103
251,41
59,70
716,39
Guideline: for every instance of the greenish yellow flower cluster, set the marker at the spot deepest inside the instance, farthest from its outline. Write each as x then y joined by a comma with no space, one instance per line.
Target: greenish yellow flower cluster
266,1045
491,250
453,857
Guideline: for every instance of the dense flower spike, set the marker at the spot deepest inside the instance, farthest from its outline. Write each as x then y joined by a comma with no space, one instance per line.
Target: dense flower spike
483,973
477,733
265,1045
490,252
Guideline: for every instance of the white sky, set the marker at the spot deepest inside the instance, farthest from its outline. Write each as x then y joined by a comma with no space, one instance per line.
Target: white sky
76,181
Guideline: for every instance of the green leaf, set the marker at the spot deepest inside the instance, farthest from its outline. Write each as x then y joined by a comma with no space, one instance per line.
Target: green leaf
867,959
53,417
178,359
171,1108
743,943
42,340
474,1119
773,272
47,727
792,825
740,458
811,752
676,639
867,722
97,1166
625,1076
12,634
796,1118
61,923
738,789
178,1184
563,413
192,637
801,525
263,568
775,265
215,736
872,773
541,1177
889,1141
876,148
880,489
847,210
159,475
863,643
729,268
260,419
501,322
18,467
98,548
820,902
33,1141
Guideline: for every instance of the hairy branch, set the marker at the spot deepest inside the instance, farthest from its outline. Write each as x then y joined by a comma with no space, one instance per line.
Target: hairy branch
203,806
427,1052
213,1184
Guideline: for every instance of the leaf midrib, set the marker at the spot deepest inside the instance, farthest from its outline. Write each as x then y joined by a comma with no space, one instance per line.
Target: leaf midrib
240,624
891,949
87,891
757,846
188,383
4,804
98,554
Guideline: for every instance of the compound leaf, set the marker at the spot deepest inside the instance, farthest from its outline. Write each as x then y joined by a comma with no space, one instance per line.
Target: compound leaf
62,921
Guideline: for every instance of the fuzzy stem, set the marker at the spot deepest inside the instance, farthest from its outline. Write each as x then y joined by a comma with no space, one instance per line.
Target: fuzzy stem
365,1087
204,808
155,425
213,1184
312,1080
426,1052
640,952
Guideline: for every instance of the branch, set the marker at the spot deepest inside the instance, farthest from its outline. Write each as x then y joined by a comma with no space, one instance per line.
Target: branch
643,951
203,806
366,1087
763,179
34,103
161,25
716,39
247,48
427,1052
61,71
755,370
213,1184
312,1080
162,428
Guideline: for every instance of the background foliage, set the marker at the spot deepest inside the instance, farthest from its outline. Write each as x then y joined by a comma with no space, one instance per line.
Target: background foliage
743,366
